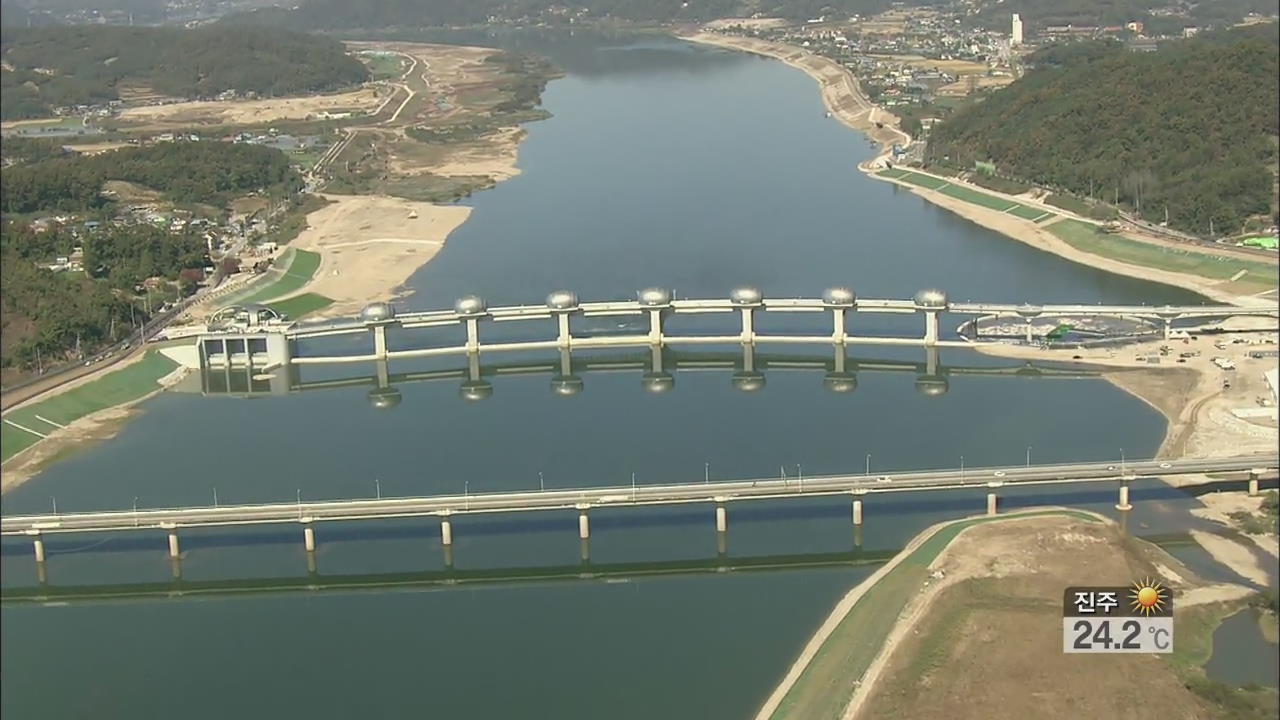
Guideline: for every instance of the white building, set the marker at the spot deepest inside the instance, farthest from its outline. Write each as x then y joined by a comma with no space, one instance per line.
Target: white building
1015,36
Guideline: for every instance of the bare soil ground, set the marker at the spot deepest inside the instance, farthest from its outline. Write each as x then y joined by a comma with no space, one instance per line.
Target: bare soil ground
247,112
369,245
1239,558
985,642
1190,395
1219,507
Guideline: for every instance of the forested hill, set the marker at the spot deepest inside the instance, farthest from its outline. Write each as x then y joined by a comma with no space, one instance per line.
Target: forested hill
79,65
1191,128
184,172
345,15
1041,13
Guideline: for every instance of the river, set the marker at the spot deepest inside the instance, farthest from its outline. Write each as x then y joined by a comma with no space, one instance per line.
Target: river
664,164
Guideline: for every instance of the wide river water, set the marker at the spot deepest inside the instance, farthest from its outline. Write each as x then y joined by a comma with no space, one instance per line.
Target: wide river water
664,164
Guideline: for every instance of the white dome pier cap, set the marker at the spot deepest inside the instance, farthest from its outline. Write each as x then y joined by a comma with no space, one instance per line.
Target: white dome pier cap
657,301
562,304
931,302
840,300
377,316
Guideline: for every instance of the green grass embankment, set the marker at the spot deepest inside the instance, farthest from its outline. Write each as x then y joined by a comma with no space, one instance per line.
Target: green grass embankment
1089,238
301,267
826,684
299,305
969,195
114,388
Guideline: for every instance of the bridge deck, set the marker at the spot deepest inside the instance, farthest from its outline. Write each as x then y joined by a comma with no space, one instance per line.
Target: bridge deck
584,498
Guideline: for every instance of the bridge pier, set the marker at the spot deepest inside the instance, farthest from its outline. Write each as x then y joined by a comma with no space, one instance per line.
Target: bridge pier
38,543
838,332
992,500
1123,503
1030,337
174,550
308,535
857,513
1254,476
584,524
722,515
380,341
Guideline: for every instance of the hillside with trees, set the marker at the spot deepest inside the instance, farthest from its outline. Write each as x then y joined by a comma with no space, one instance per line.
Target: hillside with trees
1102,13
50,315
49,67
372,14
1190,129
206,172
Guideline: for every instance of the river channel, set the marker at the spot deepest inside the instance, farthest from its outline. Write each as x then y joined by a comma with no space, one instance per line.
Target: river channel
664,164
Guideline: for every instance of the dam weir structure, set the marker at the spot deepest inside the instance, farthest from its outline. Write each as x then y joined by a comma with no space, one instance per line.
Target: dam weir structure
257,340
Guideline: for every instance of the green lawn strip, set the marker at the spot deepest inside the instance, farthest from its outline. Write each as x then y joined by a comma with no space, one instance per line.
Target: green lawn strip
300,305
927,181
1088,238
967,194
1027,213
14,441
114,388
825,686
978,198
302,267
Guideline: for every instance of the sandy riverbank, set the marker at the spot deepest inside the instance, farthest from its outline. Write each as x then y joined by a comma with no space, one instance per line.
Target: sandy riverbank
370,245
1029,233
841,92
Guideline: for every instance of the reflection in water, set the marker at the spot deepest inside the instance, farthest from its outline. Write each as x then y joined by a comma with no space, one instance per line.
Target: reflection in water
447,577
657,372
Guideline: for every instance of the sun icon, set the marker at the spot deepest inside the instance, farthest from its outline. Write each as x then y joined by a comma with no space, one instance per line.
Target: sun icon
1148,597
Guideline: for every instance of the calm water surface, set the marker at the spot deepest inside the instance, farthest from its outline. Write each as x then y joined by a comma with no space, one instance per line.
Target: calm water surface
664,164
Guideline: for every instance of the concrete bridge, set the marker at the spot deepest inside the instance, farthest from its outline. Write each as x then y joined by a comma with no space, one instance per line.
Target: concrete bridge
586,500
256,337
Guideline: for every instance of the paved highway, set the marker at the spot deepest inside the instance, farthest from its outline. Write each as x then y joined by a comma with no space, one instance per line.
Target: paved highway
621,496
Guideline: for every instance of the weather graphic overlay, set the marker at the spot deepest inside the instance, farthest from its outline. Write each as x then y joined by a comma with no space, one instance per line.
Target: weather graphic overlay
1147,597
1133,619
